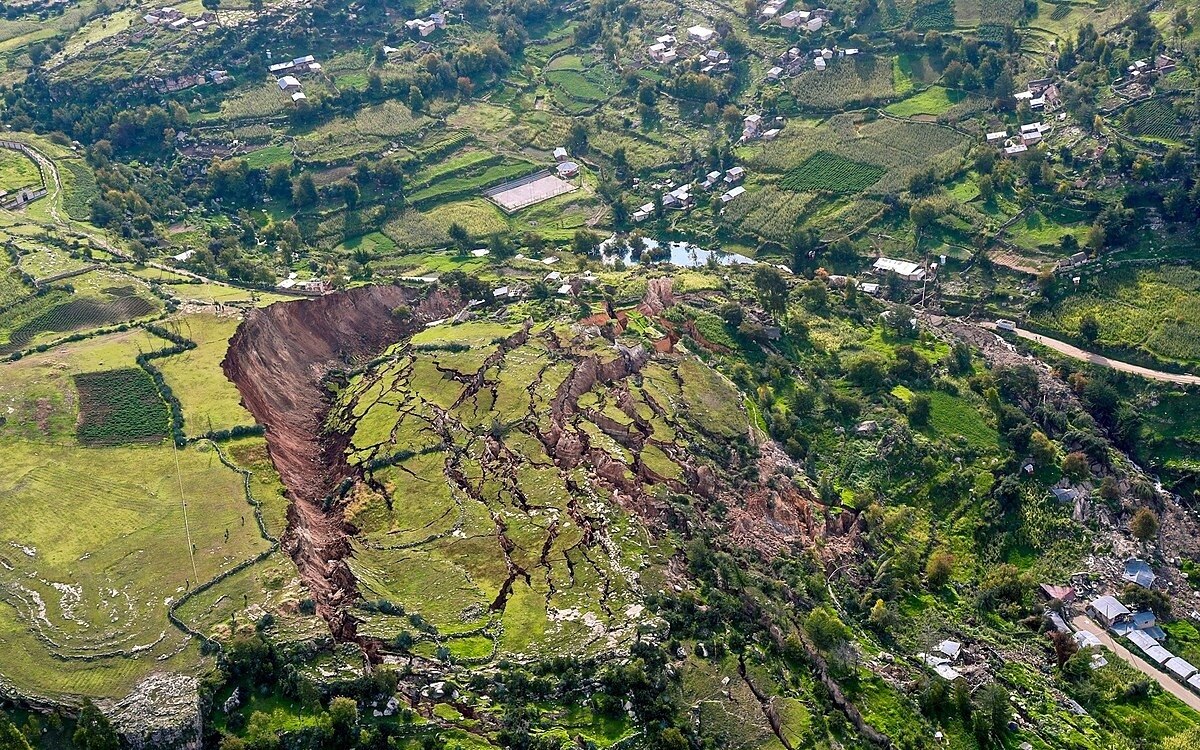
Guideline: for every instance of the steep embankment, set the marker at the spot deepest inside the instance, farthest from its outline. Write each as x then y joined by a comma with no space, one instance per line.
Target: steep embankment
277,359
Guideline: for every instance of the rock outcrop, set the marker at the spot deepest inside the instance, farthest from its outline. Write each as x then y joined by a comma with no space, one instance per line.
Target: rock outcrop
162,713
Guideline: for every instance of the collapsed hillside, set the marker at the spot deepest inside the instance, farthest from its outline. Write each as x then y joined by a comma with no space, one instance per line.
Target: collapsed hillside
506,483
277,359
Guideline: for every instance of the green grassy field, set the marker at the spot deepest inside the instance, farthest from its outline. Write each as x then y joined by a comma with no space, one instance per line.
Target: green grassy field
210,401
935,100
17,171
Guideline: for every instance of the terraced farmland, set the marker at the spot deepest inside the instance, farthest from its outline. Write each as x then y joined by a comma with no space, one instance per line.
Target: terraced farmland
1156,120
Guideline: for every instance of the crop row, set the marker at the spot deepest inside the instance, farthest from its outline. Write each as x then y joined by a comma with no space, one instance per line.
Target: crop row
827,171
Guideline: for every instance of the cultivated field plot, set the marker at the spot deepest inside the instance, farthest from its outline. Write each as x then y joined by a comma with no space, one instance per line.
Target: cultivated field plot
209,400
837,174
518,194
900,148
1155,120
95,302
120,406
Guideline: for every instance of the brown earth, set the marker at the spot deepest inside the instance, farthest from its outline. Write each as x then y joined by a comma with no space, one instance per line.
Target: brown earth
278,359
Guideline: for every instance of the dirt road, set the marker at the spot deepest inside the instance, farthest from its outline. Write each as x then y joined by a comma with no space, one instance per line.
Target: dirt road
1074,352
1167,682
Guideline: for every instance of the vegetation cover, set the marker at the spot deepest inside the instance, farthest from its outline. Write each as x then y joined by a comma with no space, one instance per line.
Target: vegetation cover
119,406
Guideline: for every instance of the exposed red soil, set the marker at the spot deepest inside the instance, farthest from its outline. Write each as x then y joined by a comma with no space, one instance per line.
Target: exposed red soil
277,359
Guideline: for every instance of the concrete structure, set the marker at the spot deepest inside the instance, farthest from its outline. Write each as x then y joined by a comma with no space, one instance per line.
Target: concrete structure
701,34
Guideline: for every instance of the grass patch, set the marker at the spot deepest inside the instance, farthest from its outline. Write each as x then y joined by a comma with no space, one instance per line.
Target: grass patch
934,101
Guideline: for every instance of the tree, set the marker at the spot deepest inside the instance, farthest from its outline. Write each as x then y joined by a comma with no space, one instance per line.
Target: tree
416,100
881,616
577,139
1089,328
1075,466
939,568
585,243
11,737
304,193
825,629
867,371
918,410
1064,647
279,181
1041,448
343,716
772,288
1144,524
94,731
350,194
460,238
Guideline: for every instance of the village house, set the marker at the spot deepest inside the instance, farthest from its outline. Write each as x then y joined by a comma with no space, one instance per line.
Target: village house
997,137
735,175
710,179
1015,149
296,66
288,83
1138,572
1107,611
560,154
775,73
701,34
771,9
644,211
819,62
750,126
906,270
733,193
792,19
567,169
680,198
423,27
815,23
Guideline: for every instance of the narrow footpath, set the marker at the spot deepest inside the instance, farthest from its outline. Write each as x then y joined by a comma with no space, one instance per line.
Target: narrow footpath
1167,682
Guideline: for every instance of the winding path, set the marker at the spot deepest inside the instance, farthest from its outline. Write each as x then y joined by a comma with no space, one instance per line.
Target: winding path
1075,352
1164,680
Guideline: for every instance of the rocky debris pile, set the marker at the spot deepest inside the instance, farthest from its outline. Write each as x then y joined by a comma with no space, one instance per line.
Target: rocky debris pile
163,711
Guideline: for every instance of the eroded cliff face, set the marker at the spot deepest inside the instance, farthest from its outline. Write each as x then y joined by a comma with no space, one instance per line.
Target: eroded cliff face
277,359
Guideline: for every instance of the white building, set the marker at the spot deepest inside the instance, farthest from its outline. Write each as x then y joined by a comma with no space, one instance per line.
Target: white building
701,34
906,270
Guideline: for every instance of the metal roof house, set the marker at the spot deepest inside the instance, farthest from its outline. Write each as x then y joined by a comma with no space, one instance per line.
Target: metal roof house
906,270
1139,572
1108,611
1180,668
